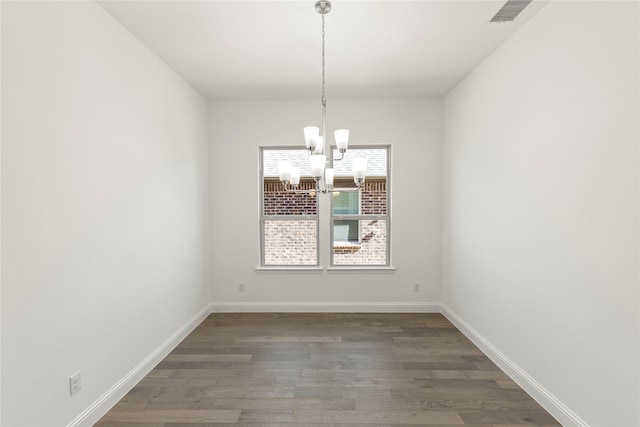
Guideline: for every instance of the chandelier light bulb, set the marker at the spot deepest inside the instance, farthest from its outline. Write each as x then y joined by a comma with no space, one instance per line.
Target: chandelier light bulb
319,145
317,162
342,139
295,176
284,171
328,177
310,136
359,167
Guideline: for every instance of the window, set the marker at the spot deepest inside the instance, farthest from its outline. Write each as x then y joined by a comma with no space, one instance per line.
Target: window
288,221
358,220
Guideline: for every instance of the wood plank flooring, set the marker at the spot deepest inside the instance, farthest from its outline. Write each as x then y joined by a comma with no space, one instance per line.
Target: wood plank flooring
326,370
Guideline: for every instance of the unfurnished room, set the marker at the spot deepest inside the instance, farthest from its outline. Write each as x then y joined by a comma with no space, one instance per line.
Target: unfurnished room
320,213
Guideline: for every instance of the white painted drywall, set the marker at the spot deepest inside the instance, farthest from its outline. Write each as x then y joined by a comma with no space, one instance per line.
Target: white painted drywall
411,126
104,206
541,205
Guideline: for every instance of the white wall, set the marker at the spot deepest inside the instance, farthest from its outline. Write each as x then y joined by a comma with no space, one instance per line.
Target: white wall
541,206
104,207
412,126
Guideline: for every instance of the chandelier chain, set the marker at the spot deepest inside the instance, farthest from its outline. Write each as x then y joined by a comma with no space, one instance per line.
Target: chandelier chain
324,100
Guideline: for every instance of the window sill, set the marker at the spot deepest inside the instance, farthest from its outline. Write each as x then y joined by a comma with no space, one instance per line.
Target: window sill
292,268
360,269
331,270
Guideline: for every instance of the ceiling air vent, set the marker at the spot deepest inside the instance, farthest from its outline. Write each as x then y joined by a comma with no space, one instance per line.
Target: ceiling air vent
510,10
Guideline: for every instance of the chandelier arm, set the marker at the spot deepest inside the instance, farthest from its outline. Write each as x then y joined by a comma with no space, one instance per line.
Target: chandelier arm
324,190
288,189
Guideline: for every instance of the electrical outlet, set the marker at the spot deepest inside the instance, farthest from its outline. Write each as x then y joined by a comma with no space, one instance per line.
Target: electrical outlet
240,286
75,383
416,286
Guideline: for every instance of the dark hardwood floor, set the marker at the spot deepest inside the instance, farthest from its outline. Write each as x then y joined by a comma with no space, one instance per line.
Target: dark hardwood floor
326,370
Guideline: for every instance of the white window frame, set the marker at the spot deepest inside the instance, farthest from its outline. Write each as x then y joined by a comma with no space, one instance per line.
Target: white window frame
324,243
361,217
264,218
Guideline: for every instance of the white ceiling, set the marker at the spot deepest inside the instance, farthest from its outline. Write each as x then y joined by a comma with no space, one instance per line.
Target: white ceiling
272,49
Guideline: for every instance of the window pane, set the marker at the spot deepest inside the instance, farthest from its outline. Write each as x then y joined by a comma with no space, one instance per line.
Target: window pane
297,157
279,202
371,249
346,203
345,231
290,242
373,195
376,162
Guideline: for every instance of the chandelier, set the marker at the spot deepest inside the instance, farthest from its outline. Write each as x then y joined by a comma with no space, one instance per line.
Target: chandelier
321,156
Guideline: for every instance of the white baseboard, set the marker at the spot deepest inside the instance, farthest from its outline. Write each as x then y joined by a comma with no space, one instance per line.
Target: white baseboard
547,400
101,406
328,307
